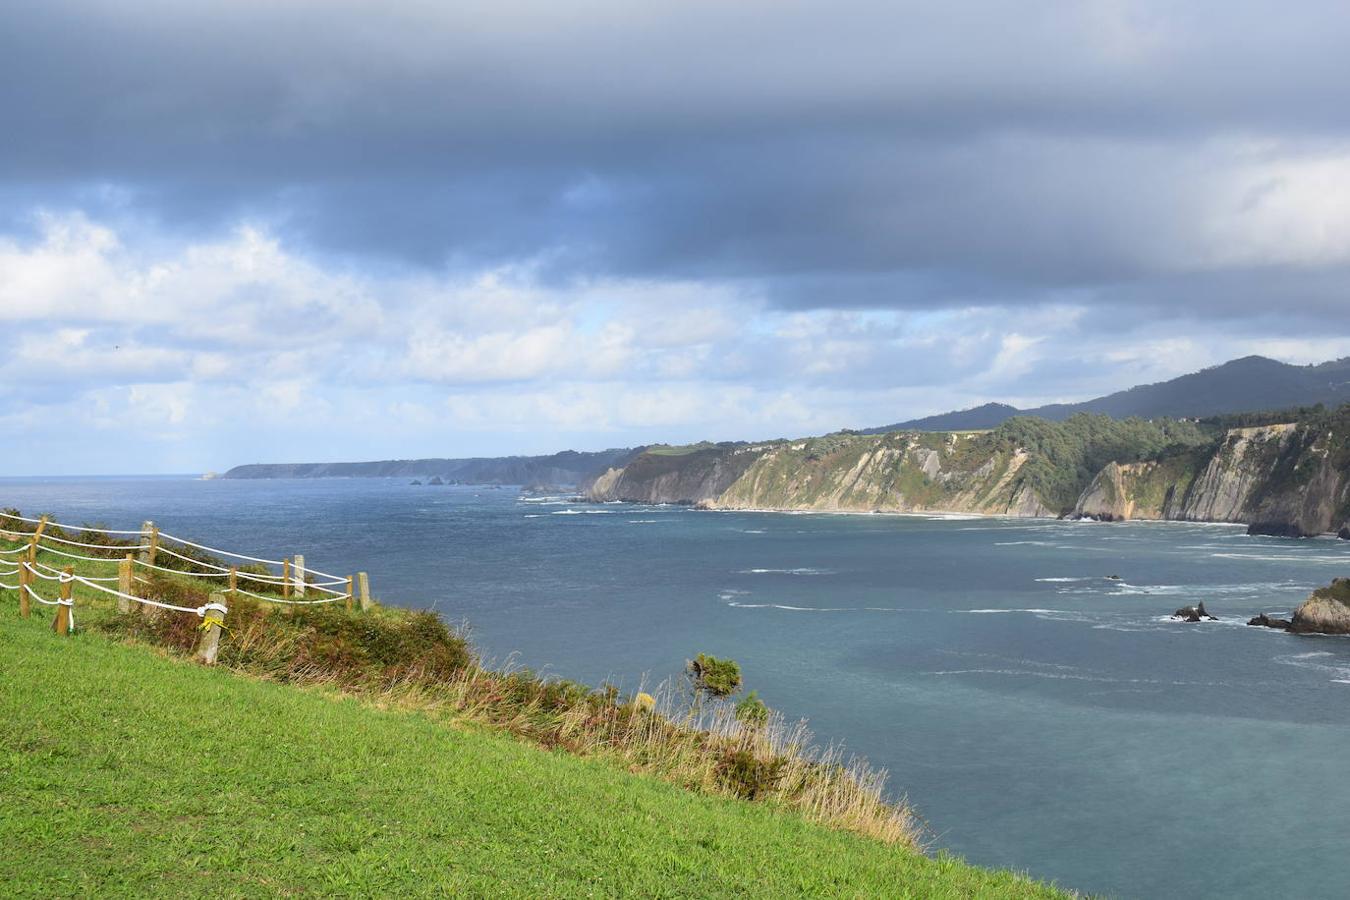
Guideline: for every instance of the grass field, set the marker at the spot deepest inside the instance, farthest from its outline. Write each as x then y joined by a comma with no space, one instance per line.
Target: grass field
124,772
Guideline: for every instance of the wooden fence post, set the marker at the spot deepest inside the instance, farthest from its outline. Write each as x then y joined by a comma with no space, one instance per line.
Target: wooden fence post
298,572
212,623
33,542
61,624
363,580
150,540
234,583
286,579
350,584
124,583
24,579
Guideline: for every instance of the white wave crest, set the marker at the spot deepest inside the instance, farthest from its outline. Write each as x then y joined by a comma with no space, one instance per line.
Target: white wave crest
799,571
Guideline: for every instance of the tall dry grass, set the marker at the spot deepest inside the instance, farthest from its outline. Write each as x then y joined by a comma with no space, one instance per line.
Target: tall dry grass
406,660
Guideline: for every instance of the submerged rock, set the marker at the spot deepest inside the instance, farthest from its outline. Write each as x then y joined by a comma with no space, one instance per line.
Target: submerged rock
1266,621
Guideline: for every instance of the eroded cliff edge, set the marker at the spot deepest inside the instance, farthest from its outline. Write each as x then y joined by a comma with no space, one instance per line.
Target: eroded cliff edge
1286,478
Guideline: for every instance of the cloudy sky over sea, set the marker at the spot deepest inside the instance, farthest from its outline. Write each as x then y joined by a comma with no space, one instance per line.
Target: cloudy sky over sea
291,231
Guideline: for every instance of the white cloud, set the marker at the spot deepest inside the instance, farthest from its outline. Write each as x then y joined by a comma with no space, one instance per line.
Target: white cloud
134,355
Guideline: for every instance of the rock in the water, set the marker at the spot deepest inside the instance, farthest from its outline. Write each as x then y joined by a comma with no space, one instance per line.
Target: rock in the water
1266,621
1195,613
1326,611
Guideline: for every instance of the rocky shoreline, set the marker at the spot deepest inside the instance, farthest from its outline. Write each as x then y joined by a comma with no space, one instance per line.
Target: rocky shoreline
1326,611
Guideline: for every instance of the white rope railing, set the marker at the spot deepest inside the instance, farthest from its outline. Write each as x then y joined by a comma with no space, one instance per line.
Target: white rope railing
125,548
39,598
66,577
89,577
290,602
142,563
198,610
270,562
197,562
68,555
69,604
84,528
334,587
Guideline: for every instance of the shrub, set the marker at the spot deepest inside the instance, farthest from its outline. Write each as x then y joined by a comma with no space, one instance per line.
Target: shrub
715,677
747,775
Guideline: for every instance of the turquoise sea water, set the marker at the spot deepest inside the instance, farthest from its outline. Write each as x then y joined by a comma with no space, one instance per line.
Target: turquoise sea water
1038,715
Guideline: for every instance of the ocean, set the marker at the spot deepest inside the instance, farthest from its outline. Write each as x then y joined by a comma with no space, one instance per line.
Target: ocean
1037,714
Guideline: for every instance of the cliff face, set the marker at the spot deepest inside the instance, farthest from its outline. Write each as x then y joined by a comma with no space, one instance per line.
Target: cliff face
1224,491
1154,489
1286,479
665,477
890,473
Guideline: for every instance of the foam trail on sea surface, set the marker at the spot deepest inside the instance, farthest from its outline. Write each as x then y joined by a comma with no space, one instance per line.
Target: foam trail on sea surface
798,571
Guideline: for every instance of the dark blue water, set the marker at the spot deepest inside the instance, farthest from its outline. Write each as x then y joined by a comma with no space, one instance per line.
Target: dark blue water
1038,715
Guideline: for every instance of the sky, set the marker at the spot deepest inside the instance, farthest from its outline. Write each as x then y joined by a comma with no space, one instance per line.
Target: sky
291,231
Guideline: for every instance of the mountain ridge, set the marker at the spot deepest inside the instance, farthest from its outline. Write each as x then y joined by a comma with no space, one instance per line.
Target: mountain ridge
1240,385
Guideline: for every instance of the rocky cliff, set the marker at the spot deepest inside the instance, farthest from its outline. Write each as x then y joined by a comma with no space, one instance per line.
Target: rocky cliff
890,473
1326,611
1287,479
665,476
902,472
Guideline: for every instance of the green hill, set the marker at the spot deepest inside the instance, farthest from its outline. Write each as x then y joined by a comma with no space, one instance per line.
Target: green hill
127,773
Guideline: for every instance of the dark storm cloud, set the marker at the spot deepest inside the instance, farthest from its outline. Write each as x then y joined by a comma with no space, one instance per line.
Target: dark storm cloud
857,154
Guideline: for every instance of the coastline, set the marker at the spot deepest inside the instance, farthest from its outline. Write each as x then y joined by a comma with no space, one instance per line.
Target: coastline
947,515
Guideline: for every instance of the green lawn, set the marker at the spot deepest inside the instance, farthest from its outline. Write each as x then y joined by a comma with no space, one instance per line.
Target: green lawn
127,773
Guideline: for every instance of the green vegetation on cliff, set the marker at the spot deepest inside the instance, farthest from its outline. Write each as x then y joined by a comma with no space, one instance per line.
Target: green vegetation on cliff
1066,456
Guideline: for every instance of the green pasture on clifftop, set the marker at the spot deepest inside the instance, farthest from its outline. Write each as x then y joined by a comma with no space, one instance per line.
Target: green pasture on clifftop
124,772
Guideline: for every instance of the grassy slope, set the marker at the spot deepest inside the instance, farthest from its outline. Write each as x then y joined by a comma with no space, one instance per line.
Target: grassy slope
127,773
